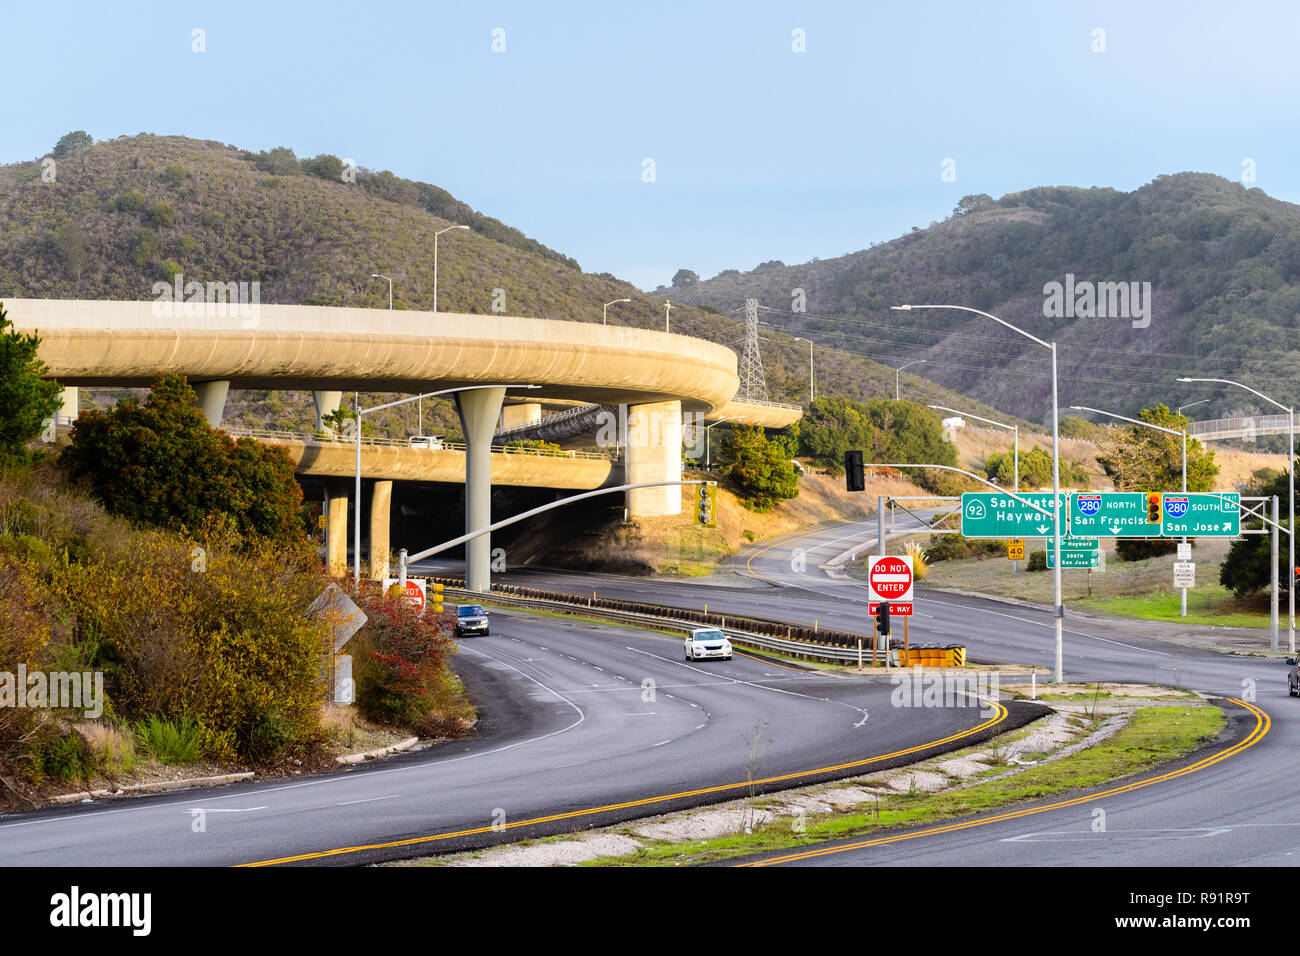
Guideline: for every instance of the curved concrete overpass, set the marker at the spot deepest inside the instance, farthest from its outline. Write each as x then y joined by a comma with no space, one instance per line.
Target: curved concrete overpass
657,375
124,344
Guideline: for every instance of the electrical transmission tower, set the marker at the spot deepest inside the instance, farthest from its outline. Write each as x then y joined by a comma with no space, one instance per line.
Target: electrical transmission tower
752,386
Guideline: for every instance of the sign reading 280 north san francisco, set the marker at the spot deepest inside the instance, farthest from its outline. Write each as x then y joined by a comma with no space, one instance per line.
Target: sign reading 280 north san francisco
1121,514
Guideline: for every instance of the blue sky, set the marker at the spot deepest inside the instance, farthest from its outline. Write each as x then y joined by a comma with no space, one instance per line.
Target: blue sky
760,152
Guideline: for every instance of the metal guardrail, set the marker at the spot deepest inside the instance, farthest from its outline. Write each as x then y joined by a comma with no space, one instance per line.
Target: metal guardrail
756,401
837,646
310,438
545,420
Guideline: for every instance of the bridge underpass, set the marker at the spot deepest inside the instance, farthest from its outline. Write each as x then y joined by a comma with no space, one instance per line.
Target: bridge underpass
329,351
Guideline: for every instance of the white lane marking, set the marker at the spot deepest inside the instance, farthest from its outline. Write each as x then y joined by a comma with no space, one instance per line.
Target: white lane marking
758,685
662,742
227,809
1079,836
348,803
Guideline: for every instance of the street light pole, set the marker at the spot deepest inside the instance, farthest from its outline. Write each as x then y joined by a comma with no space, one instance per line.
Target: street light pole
1012,428
1290,467
376,275
667,308
917,362
1059,611
435,261
604,314
812,391
1159,428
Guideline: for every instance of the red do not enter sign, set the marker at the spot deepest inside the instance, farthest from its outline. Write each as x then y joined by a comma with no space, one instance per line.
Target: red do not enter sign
890,578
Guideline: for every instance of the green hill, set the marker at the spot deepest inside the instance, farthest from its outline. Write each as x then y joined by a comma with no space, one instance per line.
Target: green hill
1223,262
123,214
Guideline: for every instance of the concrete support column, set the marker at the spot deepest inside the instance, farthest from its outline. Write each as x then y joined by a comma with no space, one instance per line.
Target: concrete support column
68,411
212,399
336,529
654,453
381,500
524,414
326,402
478,411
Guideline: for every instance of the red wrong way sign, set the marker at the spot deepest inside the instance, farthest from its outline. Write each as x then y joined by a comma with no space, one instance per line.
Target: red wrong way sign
889,578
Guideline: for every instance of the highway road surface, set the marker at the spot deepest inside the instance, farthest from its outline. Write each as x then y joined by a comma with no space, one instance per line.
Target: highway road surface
581,725
1235,803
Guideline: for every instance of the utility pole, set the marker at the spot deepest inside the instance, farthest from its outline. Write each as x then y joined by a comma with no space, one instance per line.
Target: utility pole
753,388
667,308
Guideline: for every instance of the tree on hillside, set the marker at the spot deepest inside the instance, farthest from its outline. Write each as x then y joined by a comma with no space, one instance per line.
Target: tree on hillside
1035,470
884,430
71,142
970,204
758,467
27,397
161,464
1143,459
685,277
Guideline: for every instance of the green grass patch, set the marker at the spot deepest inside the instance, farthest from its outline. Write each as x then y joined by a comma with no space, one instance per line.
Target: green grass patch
1206,604
1156,735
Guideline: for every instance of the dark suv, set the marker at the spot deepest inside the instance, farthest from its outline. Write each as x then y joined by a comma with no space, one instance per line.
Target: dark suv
1293,677
471,619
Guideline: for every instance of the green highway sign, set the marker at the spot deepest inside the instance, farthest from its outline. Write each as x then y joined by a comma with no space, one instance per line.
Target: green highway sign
1115,514
1074,559
1073,543
1201,515
995,515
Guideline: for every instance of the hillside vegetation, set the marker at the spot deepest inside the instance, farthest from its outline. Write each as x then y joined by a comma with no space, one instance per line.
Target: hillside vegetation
123,214
1223,262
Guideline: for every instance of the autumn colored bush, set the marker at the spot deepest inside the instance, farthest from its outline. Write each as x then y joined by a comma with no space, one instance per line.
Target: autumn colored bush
399,663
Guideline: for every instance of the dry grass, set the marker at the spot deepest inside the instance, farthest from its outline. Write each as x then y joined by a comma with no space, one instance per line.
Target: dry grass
975,444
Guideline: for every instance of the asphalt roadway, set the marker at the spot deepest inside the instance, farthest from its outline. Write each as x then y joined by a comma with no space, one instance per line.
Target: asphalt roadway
1232,803
581,725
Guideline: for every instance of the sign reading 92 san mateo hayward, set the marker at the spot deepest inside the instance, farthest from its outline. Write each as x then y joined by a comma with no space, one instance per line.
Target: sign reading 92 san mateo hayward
996,515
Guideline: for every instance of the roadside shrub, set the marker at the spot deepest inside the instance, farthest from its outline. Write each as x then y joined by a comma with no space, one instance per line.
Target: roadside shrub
953,547
170,742
1140,549
400,665
67,758
917,553
1037,561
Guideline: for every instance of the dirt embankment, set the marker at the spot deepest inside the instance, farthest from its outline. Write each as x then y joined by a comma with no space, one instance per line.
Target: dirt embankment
601,540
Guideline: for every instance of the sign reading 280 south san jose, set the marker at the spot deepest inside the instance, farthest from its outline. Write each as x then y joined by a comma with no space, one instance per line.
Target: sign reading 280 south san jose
1201,515
991,515
1120,514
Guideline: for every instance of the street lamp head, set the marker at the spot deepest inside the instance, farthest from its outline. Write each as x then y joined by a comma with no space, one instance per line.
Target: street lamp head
901,308
1185,380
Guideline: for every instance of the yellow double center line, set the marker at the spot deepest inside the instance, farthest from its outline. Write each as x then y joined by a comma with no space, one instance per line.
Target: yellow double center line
1262,724
646,801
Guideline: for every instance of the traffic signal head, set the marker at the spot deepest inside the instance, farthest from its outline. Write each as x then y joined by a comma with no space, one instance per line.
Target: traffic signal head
1153,507
853,476
706,506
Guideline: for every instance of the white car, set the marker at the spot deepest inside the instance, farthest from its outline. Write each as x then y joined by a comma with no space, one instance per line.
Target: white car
426,441
707,642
